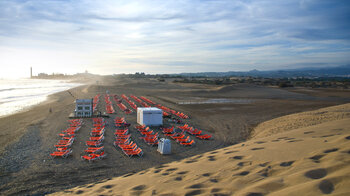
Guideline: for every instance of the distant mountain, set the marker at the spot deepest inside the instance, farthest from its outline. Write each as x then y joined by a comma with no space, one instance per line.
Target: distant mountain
341,71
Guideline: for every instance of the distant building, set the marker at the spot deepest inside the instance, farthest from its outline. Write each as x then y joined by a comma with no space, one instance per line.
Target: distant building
43,75
83,108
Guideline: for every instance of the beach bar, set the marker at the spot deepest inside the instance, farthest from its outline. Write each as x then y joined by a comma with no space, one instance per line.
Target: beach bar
83,108
150,116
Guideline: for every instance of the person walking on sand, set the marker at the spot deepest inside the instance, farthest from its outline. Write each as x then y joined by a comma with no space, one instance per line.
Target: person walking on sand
50,110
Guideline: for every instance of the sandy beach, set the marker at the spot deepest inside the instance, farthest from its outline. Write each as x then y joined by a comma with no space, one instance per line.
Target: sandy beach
28,138
312,159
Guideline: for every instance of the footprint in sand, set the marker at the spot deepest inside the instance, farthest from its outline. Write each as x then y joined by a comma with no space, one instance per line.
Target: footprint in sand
211,158
237,157
298,140
308,132
291,138
196,186
182,172
330,135
214,152
127,175
107,186
243,173
255,194
331,150
316,173
316,158
215,190
191,161
206,174
244,163
157,171
179,178
260,142
79,192
264,172
348,137
263,164
214,180
139,188
90,186
275,140
326,187
171,169
286,164
232,151
194,192
165,174
257,148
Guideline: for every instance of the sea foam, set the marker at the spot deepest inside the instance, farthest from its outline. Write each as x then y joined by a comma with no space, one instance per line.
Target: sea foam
18,95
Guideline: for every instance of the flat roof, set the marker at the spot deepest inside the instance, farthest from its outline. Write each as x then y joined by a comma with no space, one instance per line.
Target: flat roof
150,109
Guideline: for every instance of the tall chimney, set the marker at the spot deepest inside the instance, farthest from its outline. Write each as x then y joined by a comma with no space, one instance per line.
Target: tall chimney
31,72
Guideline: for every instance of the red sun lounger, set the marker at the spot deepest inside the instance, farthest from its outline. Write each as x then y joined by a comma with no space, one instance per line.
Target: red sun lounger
63,145
187,143
94,143
101,138
204,137
92,156
94,149
62,154
131,153
183,140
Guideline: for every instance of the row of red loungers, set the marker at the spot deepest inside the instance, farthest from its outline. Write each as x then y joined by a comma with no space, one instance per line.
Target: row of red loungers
109,105
140,101
131,103
149,136
95,148
198,133
123,140
144,104
121,105
95,101
179,114
179,137
63,147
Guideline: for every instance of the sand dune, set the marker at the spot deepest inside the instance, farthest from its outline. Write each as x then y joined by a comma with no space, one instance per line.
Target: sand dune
300,154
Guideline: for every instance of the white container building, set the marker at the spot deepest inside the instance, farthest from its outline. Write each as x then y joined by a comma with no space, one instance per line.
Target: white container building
150,116
83,108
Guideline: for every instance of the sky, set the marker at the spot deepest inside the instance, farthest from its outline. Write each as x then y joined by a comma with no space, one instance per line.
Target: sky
165,36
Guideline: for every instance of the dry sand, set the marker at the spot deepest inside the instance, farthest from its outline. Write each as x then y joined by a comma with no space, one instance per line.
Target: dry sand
27,138
311,157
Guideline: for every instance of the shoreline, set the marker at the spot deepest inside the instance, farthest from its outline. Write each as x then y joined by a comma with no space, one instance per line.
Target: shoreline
40,98
36,113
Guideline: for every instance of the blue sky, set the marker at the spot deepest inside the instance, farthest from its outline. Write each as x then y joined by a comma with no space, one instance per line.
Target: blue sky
107,37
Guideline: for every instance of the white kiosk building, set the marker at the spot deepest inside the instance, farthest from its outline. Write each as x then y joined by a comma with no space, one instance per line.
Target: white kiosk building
83,108
150,116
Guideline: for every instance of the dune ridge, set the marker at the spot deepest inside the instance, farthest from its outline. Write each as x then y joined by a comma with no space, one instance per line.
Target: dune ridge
303,119
308,157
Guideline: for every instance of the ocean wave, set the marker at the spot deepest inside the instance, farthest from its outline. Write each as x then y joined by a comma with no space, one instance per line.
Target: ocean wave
17,95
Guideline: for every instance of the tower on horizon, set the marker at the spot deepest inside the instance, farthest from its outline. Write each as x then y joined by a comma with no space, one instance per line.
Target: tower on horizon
31,72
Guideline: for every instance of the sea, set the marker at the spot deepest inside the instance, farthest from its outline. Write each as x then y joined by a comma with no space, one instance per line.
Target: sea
20,94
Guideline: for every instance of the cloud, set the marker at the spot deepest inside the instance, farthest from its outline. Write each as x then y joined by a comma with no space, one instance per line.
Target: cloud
178,36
